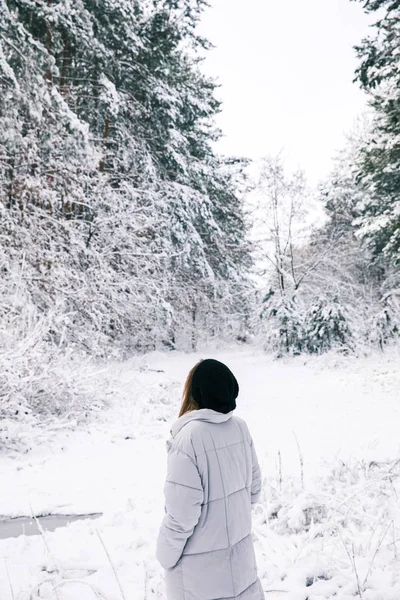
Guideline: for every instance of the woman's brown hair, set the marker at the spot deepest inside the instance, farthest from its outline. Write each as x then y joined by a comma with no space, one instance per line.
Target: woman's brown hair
188,403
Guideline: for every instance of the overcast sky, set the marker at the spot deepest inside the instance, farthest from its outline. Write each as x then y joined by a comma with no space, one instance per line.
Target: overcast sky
286,69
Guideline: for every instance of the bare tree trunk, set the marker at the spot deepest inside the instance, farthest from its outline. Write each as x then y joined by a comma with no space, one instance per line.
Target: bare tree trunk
11,199
278,250
105,136
194,337
95,87
48,74
64,67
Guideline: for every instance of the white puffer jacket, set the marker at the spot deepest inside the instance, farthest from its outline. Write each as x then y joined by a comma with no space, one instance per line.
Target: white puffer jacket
205,541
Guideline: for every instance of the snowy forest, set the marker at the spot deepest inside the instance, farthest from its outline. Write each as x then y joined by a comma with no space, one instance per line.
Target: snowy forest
131,248
122,229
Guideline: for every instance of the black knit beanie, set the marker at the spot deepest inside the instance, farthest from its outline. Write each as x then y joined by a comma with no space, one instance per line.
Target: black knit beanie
214,386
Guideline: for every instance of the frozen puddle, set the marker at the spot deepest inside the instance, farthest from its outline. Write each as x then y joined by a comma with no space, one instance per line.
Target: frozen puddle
12,528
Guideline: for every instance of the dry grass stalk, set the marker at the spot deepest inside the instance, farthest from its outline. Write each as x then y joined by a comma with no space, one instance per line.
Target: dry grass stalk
112,565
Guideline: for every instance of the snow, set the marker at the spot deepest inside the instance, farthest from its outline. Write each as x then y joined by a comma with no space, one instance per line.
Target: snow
331,536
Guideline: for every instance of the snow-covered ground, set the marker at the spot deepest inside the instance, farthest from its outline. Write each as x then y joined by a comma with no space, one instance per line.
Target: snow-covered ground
336,534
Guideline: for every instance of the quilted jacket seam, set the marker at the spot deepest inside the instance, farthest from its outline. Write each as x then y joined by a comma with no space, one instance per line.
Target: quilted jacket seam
217,549
234,597
175,449
244,442
227,496
245,589
226,520
219,448
184,485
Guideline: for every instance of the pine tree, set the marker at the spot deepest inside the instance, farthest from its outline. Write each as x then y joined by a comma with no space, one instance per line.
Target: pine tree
349,275
282,319
128,219
379,76
326,327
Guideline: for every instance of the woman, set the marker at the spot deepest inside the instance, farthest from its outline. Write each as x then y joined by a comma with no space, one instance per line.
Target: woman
213,477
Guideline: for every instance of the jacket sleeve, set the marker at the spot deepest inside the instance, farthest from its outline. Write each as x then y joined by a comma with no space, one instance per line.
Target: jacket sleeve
183,494
256,478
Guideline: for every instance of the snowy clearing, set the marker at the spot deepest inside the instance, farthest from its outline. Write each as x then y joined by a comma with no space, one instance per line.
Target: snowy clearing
334,535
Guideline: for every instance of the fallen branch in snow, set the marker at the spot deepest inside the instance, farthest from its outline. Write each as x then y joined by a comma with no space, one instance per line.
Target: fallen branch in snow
37,595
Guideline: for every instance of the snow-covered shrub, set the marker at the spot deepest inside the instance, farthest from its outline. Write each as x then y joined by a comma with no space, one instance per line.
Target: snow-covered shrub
384,324
299,515
338,537
326,327
282,321
39,381
293,326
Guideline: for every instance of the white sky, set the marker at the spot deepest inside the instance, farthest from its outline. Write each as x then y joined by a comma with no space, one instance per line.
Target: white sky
286,69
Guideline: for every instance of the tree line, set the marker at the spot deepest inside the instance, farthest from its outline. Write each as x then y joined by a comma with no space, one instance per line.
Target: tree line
119,221
339,285
123,231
